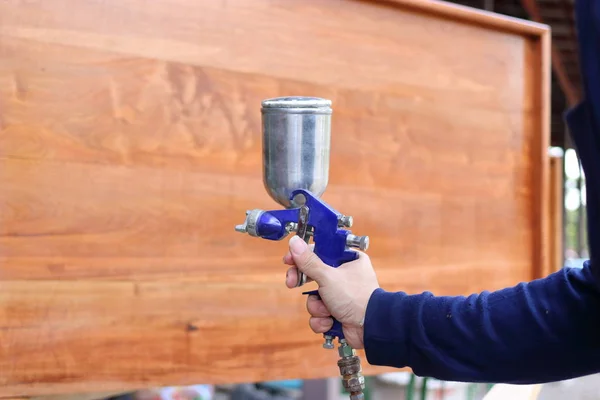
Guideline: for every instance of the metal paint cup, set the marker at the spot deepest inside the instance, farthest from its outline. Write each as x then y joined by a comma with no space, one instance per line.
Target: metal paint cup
296,146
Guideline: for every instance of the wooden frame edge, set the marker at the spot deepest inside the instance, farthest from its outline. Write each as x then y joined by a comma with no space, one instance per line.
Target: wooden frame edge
570,90
555,217
474,16
542,256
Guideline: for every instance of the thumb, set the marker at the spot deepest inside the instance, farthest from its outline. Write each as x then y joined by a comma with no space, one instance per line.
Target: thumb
307,261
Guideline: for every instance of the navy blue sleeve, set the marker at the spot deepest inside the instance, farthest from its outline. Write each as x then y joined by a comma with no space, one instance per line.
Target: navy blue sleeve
544,330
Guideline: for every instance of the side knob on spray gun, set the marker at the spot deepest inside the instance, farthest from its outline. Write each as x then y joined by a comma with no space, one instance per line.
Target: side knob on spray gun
296,147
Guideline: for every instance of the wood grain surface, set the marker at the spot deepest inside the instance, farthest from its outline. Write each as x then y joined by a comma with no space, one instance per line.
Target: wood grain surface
130,147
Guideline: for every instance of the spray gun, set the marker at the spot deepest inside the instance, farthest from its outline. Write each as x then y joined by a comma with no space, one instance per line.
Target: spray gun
296,146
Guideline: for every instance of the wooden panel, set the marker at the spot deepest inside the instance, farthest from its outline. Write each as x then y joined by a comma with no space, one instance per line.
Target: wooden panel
130,148
556,220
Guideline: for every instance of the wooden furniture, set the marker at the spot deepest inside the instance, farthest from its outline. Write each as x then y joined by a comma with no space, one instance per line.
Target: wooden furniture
557,198
130,148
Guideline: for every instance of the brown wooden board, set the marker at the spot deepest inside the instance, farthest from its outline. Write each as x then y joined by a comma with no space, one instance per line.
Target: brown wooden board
130,147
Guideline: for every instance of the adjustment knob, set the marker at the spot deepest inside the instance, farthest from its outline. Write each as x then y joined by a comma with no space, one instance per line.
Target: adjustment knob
359,242
345,221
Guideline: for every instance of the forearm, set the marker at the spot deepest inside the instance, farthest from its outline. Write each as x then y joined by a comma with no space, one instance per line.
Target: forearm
545,330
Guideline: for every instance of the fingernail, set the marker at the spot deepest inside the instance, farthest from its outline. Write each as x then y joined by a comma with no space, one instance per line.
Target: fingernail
297,245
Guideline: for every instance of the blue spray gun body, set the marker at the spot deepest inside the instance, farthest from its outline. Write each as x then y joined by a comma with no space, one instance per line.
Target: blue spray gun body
296,147
316,219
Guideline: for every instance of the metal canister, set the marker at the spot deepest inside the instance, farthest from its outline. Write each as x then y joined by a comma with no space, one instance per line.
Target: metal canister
296,146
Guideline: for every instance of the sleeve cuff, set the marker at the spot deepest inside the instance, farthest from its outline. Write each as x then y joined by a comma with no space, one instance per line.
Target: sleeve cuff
386,332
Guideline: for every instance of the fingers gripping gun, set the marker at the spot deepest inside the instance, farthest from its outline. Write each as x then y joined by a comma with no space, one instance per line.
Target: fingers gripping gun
296,144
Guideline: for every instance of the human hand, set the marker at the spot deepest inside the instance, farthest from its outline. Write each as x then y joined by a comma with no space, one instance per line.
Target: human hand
345,291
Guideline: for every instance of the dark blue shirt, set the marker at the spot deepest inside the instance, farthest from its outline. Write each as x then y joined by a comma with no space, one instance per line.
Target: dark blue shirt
540,331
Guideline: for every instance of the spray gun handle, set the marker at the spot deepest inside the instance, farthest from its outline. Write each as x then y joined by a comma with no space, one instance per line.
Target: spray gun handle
336,330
